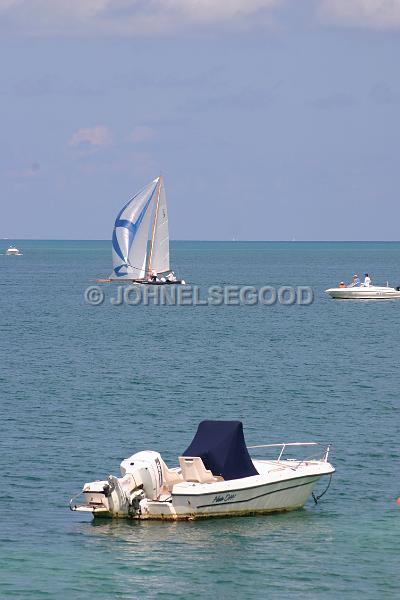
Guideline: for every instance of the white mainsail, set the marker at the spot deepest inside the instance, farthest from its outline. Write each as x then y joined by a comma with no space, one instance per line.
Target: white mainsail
131,234
159,246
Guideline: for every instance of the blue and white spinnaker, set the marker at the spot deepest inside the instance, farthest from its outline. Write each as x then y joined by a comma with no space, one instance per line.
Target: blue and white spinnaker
140,241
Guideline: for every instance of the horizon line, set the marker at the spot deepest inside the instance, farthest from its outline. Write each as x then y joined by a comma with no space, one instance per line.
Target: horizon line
232,241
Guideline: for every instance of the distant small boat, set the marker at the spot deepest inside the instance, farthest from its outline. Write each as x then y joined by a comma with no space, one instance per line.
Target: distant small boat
140,241
371,292
216,477
13,251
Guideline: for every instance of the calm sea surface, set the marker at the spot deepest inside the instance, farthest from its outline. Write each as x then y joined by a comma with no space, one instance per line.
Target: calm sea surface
82,387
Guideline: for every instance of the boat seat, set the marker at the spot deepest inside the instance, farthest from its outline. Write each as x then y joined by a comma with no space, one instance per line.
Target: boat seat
170,477
193,469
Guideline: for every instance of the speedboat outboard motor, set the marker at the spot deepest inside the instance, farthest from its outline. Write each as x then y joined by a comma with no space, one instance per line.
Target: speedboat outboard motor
142,477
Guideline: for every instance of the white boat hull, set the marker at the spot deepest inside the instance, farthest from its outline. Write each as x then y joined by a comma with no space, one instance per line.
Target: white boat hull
364,293
262,498
279,486
13,252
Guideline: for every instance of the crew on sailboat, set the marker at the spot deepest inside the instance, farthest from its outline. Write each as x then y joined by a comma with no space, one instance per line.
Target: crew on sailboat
171,277
153,277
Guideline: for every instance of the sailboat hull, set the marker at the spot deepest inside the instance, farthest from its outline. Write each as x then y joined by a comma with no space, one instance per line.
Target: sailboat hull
145,282
142,281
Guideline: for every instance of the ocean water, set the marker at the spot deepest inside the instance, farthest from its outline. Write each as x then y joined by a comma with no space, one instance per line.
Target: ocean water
82,387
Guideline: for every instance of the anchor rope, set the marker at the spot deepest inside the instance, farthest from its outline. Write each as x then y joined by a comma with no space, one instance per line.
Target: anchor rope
316,498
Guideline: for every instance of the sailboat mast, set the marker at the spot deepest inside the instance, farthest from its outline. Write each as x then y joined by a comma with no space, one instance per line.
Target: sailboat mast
154,225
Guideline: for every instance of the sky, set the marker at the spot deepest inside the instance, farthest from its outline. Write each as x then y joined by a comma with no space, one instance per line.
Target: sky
269,119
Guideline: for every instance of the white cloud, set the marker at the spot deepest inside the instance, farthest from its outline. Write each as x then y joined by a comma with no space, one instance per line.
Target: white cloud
125,17
27,171
383,93
5,4
375,14
143,164
151,17
141,134
31,171
92,137
214,10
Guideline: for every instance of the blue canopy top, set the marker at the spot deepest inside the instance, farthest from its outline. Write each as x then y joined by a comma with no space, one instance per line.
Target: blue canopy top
221,446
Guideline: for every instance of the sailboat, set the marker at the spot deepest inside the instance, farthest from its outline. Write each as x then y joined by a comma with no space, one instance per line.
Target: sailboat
140,241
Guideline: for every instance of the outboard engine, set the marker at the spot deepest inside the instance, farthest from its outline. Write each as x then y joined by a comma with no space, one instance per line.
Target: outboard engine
146,469
142,477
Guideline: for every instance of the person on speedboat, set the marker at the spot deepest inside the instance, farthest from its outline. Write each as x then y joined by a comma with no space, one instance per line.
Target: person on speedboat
171,276
367,280
356,281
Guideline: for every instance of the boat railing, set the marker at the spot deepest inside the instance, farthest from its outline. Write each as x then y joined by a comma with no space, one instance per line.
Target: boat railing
285,445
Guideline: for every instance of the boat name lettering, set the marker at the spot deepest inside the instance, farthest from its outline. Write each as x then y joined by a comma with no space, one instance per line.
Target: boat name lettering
225,498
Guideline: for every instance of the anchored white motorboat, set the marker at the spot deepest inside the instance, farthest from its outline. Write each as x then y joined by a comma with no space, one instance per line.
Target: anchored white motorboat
140,241
13,251
216,477
371,292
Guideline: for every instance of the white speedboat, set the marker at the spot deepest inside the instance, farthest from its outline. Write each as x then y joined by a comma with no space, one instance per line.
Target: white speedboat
13,251
216,477
371,292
